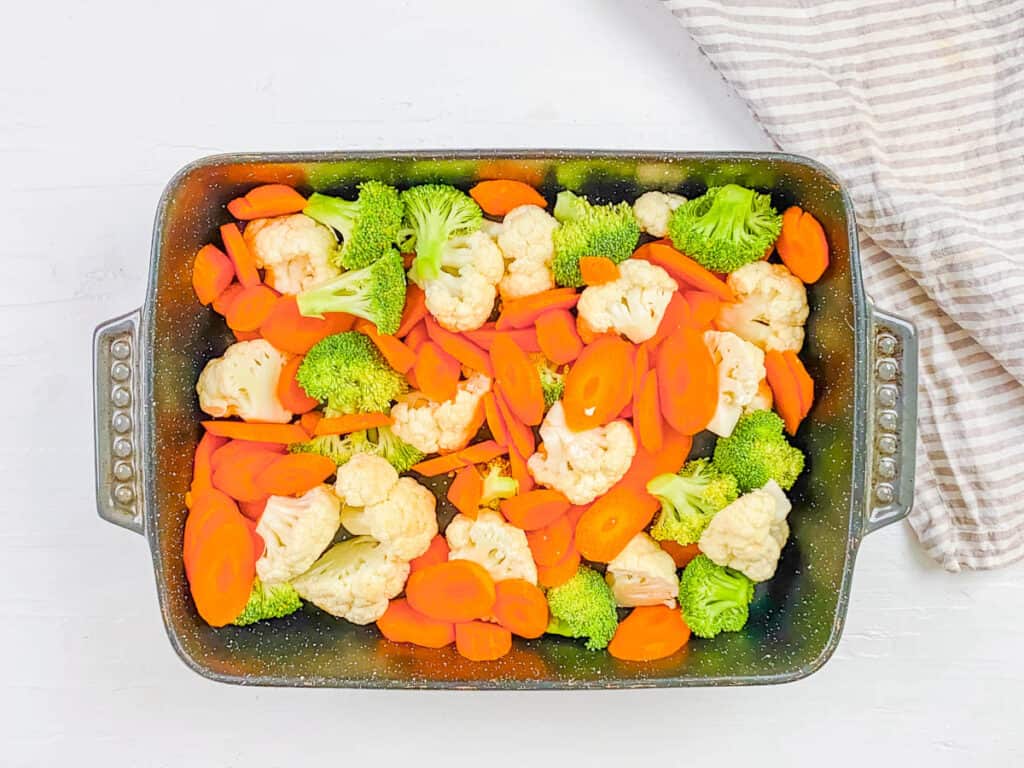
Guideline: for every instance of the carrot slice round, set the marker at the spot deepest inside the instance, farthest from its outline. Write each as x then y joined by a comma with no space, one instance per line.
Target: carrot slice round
521,608
687,381
518,379
650,632
599,384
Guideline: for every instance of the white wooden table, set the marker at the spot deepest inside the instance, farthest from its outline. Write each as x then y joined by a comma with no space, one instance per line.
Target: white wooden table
99,104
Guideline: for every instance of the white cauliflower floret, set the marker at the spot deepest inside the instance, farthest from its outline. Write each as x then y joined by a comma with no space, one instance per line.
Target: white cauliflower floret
748,535
462,296
354,580
654,209
633,304
582,465
770,309
429,426
365,479
295,250
243,382
296,531
762,401
525,239
404,521
643,574
740,374
501,549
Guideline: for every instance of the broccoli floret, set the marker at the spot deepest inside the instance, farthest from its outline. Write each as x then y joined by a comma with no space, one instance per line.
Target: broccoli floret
433,214
368,225
348,372
584,606
379,442
590,230
271,602
690,499
552,379
375,293
726,227
713,598
498,482
757,452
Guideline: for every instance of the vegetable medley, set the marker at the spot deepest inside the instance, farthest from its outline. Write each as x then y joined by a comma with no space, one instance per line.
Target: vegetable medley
554,366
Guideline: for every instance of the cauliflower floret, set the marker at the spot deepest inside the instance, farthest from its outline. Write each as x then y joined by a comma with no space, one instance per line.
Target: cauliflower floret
429,426
748,535
740,374
243,382
762,401
654,209
525,239
643,574
295,250
633,304
770,309
296,531
462,296
363,480
501,549
404,521
354,580
582,465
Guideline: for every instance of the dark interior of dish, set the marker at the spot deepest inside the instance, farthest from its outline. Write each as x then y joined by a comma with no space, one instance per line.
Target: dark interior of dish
795,618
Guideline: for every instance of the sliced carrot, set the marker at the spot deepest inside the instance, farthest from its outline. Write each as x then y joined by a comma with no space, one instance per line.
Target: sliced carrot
499,196
399,356
535,509
574,514
294,473
401,624
253,510
459,346
523,312
802,245
246,335
414,311
212,273
233,449
482,641
415,338
456,590
557,336
482,452
310,420
641,364
222,571
495,423
599,384
466,490
682,555
612,520
239,479
549,576
518,379
292,396
251,308
703,308
520,607
238,251
520,435
587,334
436,553
202,465
517,464
598,270
439,465
646,465
257,432
677,314
475,425
291,332
650,632
437,372
682,268
785,390
687,381
209,508
550,543
477,453
525,338
647,414
222,303
805,384
259,546
351,422
266,201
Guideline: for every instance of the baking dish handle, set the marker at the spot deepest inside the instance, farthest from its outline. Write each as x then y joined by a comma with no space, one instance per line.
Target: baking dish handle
116,409
892,414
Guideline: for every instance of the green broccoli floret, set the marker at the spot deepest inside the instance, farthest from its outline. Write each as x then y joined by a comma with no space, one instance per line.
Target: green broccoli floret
590,230
714,599
690,499
757,452
726,227
498,482
552,379
368,225
379,442
348,373
271,602
433,214
584,606
375,293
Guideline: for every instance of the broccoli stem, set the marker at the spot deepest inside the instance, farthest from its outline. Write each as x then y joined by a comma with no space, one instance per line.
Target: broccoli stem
333,212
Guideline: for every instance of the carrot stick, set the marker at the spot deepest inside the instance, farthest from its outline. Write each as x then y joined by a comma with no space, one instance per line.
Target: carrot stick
520,473
401,624
556,575
802,245
521,608
266,201
351,422
238,251
234,449
295,334
687,381
521,313
292,396
598,270
415,310
457,590
437,372
436,553
482,452
535,509
310,420
222,570
525,338
682,555
594,393
805,384
785,390
612,520
459,346
257,432
703,308
239,479
398,355
647,414
202,465
499,196
550,543
251,308
466,490
557,336
482,641
495,423
477,453
650,632
253,510
212,273
520,435
518,379
222,303
416,336
682,268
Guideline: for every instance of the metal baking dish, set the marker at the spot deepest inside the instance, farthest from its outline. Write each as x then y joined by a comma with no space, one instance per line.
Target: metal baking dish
859,439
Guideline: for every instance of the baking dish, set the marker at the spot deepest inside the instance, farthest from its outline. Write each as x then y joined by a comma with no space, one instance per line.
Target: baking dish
859,439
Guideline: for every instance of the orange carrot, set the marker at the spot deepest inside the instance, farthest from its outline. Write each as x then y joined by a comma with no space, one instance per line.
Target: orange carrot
203,466
294,473
290,332
292,396
802,245
209,508
407,260
253,510
233,449
677,314
415,338
482,452
495,423
437,372
525,338
593,394
436,553
682,268
398,355
351,422
703,308
310,420
212,273
687,381
266,201
647,414
257,432
482,641
499,196
675,448
245,263
612,520
805,384
557,336
222,303
477,453
785,390
550,543
401,624
680,554
520,435
466,490
650,632
522,313
457,590
415,310
459,346
251,308
518,379
556,575
641,364
535,509
521,608
222,571
246,335
520,473
240,478
598,270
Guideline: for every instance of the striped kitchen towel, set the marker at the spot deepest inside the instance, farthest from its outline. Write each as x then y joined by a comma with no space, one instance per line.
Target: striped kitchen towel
919,107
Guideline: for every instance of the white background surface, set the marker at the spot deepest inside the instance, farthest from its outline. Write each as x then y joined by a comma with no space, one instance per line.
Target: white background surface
99,104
